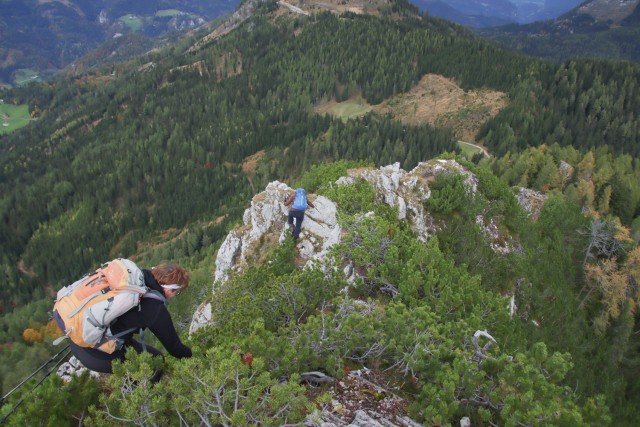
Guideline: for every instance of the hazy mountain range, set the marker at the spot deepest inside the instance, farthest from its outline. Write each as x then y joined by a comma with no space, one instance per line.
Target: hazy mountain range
488,13
605,29
39,37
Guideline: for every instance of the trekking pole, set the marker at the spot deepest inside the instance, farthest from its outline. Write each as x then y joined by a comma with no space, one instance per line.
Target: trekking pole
37,384
32,374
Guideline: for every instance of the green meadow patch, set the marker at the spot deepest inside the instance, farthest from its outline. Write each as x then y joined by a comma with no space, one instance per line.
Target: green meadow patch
354,107
468,150
25,76
13,117
167,12
132,21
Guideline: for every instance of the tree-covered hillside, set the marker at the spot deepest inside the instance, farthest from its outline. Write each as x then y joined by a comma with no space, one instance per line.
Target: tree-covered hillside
595,29
429,321
44,37
169,138
583,103
157,158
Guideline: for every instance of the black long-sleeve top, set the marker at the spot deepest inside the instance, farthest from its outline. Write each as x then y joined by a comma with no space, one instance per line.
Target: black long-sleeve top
153,315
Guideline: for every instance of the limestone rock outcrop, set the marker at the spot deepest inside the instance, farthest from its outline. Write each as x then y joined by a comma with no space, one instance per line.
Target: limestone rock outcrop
266,220
73,368
264,225
531,201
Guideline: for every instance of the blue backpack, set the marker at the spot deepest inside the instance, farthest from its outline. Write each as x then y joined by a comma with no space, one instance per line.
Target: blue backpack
300,202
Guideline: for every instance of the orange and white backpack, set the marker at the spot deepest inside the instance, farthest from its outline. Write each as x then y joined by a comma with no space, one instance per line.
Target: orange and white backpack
85,309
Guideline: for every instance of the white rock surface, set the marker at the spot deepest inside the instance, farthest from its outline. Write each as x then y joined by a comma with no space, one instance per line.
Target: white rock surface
73,368
227,253
531,201
408,190
267,216
201,317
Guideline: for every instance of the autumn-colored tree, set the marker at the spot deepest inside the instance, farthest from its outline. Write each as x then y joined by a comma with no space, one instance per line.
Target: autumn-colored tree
587,166
632,269
51,330
31,335
610,286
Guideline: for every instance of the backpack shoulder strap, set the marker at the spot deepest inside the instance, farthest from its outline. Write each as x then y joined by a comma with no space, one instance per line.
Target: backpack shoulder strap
157,295
152,294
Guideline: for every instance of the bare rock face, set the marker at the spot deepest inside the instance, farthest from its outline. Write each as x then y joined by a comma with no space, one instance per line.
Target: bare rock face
531,201
265,225
408,190
265,221
73,368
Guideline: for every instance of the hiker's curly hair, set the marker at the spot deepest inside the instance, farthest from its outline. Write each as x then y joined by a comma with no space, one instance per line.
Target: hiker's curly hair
168,273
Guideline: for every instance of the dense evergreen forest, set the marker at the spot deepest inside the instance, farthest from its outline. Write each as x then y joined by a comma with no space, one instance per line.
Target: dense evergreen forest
174,131
149,159
40,39
582,103
572,36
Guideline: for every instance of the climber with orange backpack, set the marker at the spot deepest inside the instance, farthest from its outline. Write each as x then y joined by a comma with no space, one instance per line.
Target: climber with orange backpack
102,311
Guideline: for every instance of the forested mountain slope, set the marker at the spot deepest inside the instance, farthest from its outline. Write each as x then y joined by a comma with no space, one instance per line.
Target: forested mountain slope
481,14
596,29
157,158
172,125
38,38
432,331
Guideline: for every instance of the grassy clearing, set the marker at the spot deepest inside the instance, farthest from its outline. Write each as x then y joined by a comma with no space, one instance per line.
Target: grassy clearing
167,12
351,108
132,21
25,76
13,117
468,150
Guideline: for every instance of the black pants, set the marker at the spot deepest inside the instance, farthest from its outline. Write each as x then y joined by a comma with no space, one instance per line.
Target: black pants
100,361
299,217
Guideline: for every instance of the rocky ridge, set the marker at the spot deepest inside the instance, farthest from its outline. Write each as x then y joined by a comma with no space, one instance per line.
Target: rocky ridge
264,222
358,399
264,226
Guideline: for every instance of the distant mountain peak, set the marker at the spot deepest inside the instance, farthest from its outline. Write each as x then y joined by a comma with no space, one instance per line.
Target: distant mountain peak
609,10
491,13
298,7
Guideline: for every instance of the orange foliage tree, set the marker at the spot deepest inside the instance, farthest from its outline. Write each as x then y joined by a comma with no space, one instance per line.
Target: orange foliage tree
31,335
